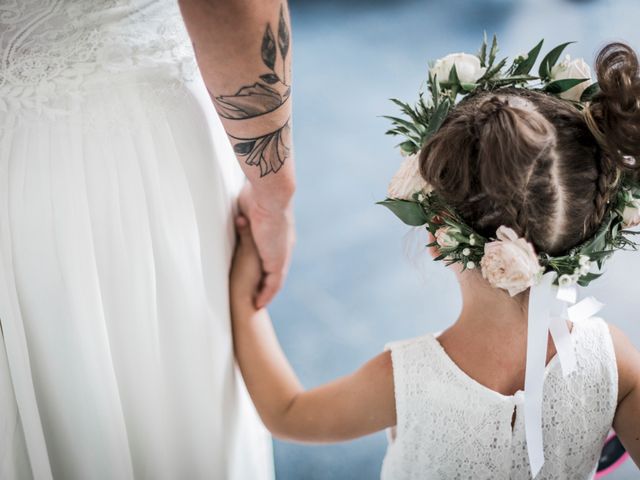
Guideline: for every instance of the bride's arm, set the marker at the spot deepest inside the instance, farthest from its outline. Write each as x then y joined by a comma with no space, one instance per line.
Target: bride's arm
350,407
243,50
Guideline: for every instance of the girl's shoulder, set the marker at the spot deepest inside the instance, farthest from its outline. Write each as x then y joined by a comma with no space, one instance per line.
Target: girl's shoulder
627,360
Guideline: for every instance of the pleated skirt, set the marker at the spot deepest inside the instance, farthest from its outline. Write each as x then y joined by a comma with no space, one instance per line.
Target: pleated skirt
116,236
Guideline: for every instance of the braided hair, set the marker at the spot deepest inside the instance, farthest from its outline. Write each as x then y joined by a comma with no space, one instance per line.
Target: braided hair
534,162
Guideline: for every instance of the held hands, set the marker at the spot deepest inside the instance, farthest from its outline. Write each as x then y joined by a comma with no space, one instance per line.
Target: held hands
246,272
271,234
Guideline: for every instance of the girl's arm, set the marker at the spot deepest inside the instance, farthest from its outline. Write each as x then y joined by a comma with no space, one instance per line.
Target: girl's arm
350,407
627,420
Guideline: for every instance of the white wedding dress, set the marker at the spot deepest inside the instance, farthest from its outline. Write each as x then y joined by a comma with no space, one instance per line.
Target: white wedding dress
116,195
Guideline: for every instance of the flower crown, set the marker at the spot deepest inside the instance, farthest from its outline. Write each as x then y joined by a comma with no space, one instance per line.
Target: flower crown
507,262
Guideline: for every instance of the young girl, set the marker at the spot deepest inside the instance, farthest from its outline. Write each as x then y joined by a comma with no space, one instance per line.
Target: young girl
528,170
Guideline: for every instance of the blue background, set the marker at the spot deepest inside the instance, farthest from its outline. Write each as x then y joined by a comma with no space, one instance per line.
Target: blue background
351,287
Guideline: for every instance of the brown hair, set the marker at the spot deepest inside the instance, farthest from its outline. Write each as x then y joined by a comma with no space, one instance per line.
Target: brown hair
530,161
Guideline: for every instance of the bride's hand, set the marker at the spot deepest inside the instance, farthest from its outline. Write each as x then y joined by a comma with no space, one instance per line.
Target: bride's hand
274,237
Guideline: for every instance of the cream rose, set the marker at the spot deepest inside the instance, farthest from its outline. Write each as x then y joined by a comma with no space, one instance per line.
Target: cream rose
631,214
445,237
467,66
568,68
408,180
510,262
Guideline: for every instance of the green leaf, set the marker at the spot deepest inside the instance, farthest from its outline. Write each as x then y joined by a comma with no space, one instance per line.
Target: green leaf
600,255
560,86
400,121
434,85
406,109
584,280
482,54
409,147
469,87
411,213
525,67
492,72
550,59
589,92
599,241
493,52
513,79
437,118
453,76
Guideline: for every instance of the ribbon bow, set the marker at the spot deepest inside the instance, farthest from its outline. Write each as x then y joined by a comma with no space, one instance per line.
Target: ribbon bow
549,311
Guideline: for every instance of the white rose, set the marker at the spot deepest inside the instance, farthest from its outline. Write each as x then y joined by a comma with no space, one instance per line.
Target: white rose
408,180
445,237
510,262
568,68
631,214
467,66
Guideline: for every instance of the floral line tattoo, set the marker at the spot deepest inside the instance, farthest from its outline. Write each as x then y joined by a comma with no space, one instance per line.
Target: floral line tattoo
272,90
269,151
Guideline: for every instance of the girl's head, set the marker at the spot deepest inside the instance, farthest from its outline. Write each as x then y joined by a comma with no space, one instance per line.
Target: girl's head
532,162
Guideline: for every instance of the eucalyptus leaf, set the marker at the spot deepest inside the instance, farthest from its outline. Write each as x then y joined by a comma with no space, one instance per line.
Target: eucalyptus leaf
525,67
411,213
550,59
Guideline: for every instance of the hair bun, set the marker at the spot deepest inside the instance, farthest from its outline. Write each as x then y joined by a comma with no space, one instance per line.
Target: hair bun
616,108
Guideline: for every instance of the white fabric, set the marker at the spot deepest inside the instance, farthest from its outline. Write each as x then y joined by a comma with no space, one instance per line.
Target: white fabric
548,314
450,426
116,194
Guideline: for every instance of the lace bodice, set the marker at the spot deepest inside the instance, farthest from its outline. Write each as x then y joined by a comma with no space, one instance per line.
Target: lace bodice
451,427
55,49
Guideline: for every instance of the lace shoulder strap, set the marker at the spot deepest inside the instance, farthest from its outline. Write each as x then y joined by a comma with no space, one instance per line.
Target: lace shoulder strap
596,355
413,367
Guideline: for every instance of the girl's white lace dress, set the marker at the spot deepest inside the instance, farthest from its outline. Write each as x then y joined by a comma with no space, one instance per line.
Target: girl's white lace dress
116,194
452,427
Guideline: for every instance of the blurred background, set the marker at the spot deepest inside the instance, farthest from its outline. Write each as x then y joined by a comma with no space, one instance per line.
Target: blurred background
351,287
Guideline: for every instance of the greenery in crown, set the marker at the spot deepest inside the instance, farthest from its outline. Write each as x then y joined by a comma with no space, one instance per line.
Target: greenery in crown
414,202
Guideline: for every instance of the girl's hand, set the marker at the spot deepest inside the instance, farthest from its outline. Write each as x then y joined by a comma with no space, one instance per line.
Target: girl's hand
246,271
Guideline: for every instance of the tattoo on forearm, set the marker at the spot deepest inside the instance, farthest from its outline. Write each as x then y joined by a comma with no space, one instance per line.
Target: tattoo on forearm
268,93
269,152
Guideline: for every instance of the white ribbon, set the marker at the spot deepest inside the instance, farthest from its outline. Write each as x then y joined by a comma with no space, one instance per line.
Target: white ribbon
548,313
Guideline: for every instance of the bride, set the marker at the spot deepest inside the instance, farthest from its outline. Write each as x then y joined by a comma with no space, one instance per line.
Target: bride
117,190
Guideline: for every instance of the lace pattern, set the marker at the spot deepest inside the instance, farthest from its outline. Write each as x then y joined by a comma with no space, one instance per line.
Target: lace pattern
56,51
451,427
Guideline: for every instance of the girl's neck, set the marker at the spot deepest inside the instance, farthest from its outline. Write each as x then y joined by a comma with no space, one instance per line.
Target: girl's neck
490,310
